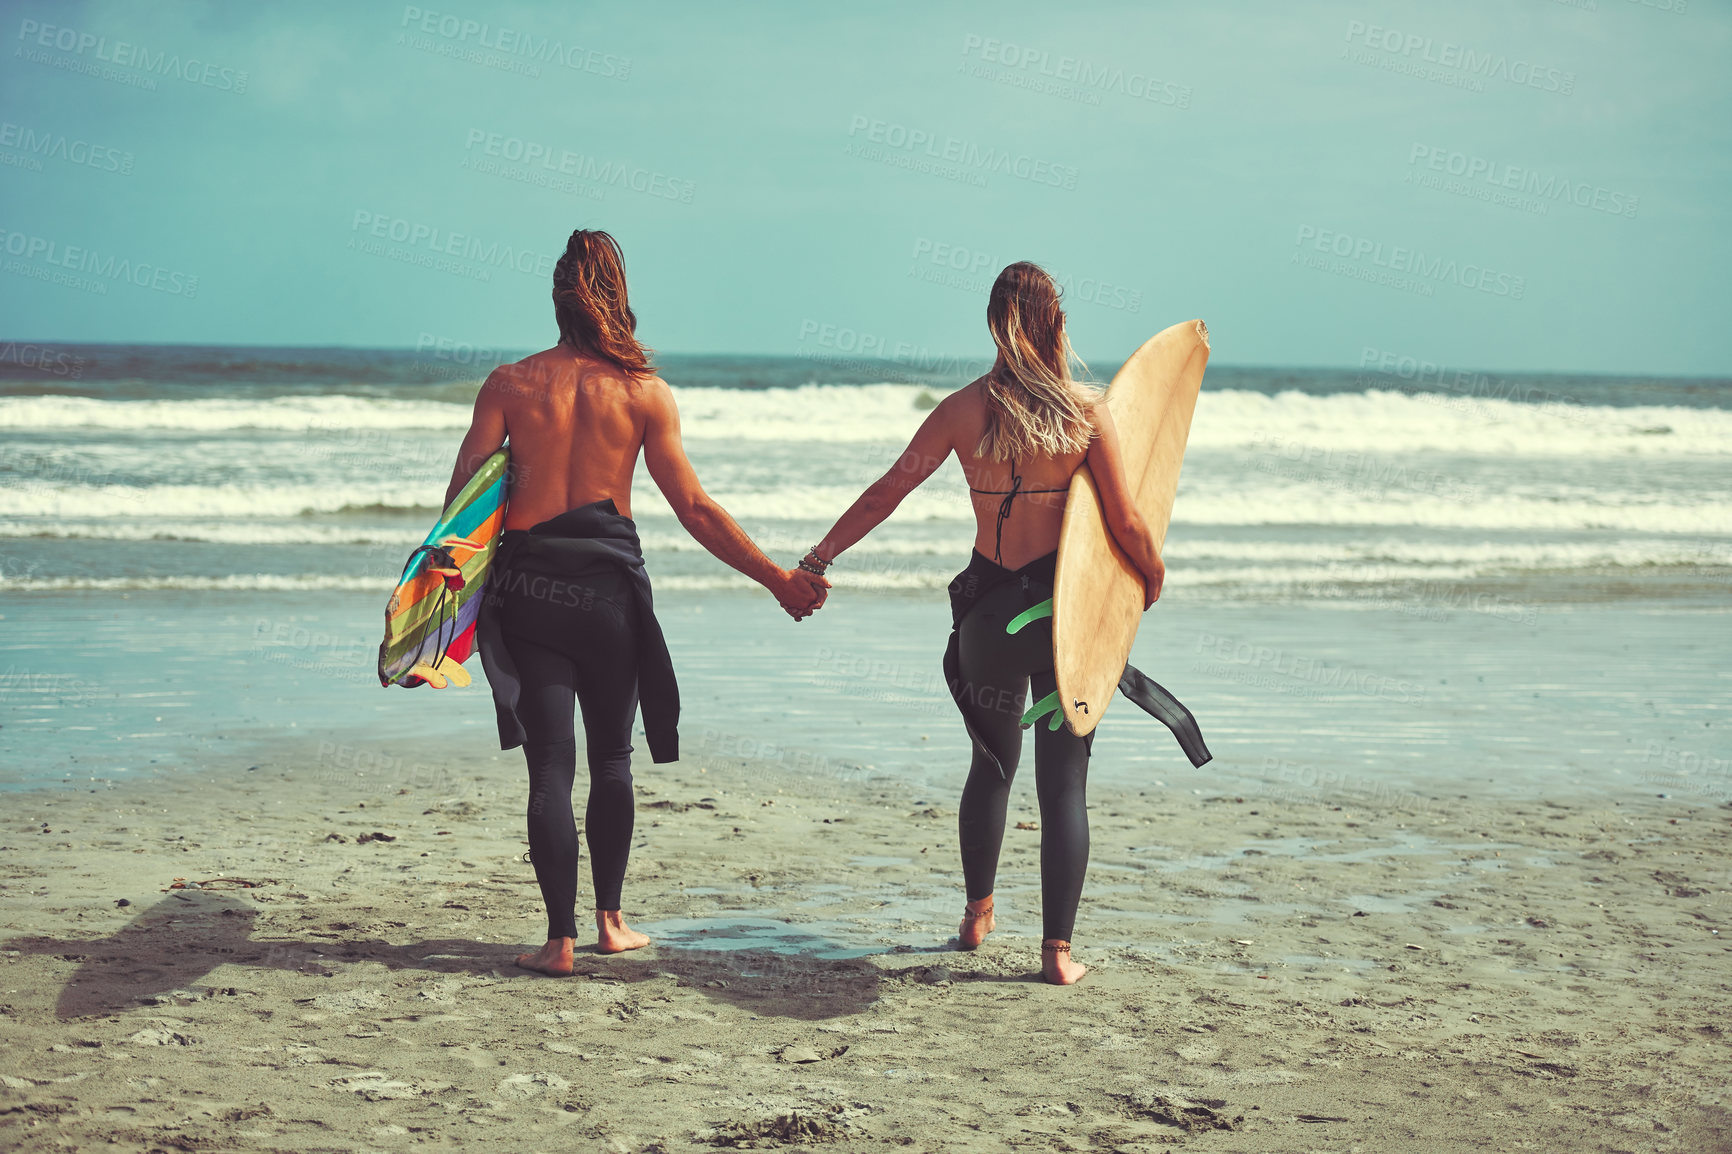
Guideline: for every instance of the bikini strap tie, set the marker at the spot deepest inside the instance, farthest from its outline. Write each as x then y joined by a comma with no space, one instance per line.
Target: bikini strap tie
1004,510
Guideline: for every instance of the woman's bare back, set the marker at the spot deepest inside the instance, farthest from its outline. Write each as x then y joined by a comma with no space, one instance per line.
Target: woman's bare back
1031,528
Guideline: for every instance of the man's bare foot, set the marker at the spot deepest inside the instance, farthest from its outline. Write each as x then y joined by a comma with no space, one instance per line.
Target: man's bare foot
977,922
1056,965
553,959
613,936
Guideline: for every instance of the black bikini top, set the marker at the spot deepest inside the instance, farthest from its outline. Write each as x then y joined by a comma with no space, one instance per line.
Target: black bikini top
1004,506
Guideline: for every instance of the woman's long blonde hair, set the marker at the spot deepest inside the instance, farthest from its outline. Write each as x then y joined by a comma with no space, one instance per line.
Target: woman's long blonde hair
1034,407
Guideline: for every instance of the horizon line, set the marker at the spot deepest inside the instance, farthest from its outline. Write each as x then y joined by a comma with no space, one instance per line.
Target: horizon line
956,358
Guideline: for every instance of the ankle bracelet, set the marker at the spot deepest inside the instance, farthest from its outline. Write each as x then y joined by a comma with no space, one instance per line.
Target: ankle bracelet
1055,947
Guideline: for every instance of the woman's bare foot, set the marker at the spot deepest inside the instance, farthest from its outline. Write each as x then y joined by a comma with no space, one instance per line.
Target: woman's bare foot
613,936
1056,965
553,959
977,922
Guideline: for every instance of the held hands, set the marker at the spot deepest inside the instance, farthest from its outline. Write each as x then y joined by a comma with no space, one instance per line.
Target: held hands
805,587
801,594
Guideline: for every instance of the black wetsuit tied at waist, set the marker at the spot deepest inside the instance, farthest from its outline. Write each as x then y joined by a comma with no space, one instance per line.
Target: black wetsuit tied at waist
1036,579
578,541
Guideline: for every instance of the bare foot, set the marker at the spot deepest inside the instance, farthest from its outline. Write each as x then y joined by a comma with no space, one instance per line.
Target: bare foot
1056,965
553,959
977,922
613,936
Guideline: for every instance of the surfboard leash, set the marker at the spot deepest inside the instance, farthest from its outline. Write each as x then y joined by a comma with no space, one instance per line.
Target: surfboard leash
444,565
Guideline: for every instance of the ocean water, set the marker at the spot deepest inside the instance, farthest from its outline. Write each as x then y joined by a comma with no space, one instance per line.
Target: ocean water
317,469
214,530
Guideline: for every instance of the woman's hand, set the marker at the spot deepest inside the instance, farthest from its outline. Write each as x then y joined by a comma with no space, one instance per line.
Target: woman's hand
1153,578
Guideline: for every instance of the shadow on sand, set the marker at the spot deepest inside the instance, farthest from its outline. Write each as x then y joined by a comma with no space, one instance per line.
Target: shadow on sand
179,941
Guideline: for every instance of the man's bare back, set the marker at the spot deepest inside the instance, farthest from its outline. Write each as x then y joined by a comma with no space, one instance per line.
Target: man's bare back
576,425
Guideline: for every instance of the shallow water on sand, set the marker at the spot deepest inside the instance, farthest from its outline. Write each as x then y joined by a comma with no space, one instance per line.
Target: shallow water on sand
757,935
1331,703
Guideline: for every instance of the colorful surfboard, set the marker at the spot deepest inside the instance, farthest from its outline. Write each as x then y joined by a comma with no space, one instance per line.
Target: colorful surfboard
430,619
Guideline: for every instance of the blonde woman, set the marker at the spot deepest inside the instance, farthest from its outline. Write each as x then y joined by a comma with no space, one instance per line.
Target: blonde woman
1020,431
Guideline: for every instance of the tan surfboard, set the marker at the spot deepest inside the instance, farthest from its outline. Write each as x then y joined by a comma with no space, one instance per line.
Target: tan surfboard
1098,593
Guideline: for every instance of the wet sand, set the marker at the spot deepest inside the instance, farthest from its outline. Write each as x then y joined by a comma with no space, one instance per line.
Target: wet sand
1271,972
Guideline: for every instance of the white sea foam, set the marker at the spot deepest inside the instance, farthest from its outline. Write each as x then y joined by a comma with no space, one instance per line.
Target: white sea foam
1280,491
1291,578
1294,423
233,582
1485,556
948,552
1373,422
807,413
1292,504
821,413
220,532
1297,503
1301,503
55,502
293,583
686,583
298,414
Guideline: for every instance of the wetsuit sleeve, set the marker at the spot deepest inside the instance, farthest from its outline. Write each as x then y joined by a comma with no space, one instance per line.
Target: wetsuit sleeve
1166,709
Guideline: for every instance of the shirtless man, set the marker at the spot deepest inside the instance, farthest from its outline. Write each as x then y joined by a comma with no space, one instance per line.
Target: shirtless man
568,618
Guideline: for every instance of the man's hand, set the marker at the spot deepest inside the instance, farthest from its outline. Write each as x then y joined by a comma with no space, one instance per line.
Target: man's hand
800,593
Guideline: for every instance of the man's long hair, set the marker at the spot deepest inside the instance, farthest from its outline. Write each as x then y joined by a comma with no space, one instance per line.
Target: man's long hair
1034,407
590,304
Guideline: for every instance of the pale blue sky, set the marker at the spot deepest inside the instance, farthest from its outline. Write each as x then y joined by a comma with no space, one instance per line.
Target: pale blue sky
1271,124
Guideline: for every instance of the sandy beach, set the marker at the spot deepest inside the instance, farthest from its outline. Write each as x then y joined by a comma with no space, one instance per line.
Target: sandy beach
1448,572
307,957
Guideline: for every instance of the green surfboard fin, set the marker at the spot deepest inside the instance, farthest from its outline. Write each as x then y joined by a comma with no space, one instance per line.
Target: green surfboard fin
1047,704
1029,616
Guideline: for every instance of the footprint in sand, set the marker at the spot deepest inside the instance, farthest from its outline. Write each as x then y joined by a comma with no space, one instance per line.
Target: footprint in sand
350,1000
523,1087
375,1086
164,1033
